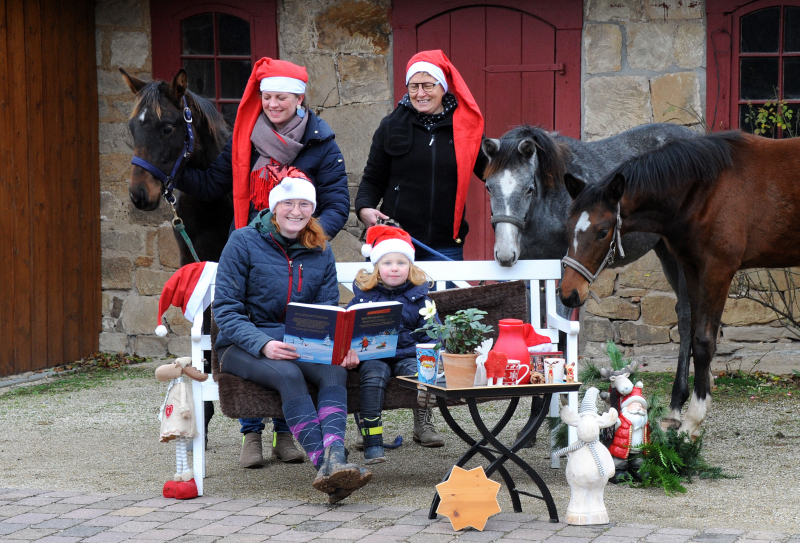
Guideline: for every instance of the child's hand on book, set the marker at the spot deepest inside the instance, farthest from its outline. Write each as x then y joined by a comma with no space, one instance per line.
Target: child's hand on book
350,359
278,350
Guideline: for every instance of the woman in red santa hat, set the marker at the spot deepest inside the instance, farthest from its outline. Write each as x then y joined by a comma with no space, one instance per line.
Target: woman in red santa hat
274,130
422,157
283,257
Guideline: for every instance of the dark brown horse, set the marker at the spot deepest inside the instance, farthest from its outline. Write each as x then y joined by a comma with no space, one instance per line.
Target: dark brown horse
721,202
159,132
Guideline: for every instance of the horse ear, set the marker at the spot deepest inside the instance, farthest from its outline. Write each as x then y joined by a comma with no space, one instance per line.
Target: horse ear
615,189
574,185
133,82
179,84
527,148
490,147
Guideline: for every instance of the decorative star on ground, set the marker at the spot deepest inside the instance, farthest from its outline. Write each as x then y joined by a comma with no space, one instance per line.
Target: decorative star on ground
469,498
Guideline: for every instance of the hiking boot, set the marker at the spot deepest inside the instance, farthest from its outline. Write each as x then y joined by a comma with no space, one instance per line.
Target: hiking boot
251,456
372,433
426,400
284,449
424,431
341,493
334,471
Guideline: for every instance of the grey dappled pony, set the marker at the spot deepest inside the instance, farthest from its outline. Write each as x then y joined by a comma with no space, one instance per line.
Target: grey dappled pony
525,181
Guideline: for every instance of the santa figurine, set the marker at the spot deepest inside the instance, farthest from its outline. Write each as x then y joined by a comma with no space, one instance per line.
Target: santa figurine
632,432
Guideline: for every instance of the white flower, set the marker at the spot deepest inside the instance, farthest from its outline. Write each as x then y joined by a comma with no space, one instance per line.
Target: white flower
429,311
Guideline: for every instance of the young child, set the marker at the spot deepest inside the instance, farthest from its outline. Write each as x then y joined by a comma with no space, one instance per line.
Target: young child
395,278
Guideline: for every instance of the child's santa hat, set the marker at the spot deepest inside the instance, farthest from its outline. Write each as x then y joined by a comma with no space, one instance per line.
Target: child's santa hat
191,288
383,239
268,75
634,396
467,120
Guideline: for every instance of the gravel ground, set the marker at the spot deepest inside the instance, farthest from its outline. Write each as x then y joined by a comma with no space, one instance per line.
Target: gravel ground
103,437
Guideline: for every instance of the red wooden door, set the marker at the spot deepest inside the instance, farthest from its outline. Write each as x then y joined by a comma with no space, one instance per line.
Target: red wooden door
522,66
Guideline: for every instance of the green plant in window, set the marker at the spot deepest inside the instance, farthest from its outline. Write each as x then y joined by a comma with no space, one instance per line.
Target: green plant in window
774,115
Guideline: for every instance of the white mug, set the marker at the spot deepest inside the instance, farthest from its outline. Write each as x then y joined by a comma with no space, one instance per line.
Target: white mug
553,370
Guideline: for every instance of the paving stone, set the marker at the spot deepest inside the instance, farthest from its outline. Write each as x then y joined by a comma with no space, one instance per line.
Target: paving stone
707,537
89,513
108,537
399,530
348,534
241,538
134,511
239,520
155,502
486,535
82,531
59,539
415,520
388,512
501,525
58,508
310,510
629,531
216,528
10,528
162,535
318,526
264,528
135,527
261,511
58,523
356,507
29,518
33,533
614,539
185,524
184,507
297,536
107,520
727,531
83,499
236,505
209,500
514,517
36,501
375,538
284,503
676,531
529,534
430,538
21,494
758,534
109,504
338,516
289,520
210,514
442,528
667,538
159,516
13,510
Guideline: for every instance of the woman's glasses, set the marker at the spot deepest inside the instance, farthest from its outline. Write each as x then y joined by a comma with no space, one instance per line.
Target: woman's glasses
288,205
427,87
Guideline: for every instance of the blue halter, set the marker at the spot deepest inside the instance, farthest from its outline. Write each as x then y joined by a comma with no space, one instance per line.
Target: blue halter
188,147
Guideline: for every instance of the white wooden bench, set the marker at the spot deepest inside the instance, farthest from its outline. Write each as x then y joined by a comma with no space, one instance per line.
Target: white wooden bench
536,273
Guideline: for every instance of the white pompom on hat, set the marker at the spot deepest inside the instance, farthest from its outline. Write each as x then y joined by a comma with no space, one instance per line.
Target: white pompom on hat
383,239
191,288
291,188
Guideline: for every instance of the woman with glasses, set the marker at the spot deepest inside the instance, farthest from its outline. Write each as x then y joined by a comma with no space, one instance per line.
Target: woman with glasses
422,157
282,257
274,130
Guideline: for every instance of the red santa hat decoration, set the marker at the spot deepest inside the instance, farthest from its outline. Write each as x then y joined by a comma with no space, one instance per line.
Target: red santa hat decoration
467,119
191,288
383,239
267,75
634,396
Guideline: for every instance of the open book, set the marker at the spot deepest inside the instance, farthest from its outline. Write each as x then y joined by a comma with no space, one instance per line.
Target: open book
325,333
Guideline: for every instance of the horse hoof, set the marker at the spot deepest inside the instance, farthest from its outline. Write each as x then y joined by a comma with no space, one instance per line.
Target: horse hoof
666,424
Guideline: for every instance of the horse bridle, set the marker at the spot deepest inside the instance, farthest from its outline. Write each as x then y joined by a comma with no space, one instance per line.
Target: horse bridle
616,241
509,219
168,181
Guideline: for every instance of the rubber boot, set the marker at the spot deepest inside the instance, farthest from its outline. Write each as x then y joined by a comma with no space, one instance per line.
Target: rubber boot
334,471
341,493
372,432
251,456
283,449
424,431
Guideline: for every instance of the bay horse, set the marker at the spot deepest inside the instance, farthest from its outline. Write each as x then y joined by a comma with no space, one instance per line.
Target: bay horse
159,129
721,202
525,181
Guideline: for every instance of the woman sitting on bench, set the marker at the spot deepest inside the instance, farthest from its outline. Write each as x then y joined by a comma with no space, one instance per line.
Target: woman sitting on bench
283,256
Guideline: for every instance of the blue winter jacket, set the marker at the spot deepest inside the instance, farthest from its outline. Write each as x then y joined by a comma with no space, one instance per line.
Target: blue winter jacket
258,275
413,299
320,159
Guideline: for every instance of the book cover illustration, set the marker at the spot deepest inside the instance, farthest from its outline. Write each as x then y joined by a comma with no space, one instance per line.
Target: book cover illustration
323,334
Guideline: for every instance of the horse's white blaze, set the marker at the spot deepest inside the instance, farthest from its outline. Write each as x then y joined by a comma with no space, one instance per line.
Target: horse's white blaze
142,114
506,244
508,184
695,414
582,225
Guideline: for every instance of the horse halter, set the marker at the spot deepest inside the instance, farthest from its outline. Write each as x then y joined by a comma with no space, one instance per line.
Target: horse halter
616,241
188,148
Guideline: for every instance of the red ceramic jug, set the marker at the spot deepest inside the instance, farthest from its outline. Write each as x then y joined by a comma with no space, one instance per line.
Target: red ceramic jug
511,340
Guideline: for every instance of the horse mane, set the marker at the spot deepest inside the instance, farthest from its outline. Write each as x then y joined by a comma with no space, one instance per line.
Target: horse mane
217,125
677,164
552,155
148,97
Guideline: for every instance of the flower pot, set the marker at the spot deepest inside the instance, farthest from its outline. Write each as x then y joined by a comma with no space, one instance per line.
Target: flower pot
459,369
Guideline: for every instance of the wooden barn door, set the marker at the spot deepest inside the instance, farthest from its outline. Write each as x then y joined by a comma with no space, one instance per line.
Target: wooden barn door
49,184
522,64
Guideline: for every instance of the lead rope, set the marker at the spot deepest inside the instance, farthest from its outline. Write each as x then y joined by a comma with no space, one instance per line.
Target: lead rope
177,225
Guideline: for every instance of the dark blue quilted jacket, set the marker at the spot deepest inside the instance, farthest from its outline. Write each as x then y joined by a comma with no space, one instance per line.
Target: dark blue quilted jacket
413,299
320,159
258,275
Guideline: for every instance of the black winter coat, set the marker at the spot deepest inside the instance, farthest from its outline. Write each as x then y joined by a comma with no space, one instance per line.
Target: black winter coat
413,299
320,159
414,170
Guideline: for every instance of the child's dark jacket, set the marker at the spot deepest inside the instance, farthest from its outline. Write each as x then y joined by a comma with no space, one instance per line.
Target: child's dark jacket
413,299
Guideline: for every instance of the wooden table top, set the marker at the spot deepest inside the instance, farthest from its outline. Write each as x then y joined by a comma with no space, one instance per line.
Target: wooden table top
503,391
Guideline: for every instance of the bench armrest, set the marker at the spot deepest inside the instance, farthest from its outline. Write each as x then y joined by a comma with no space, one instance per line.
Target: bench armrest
562,324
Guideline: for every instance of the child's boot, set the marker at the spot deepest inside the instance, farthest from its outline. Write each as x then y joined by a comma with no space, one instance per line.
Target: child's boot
372,432
251,455
424,431
283,449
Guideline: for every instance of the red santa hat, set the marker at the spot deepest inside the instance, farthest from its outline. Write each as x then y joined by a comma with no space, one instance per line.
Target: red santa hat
467,120
532,337
191,288
383,239
279,76
634,396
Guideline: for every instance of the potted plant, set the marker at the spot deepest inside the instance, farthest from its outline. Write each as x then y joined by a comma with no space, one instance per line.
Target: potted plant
459,337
